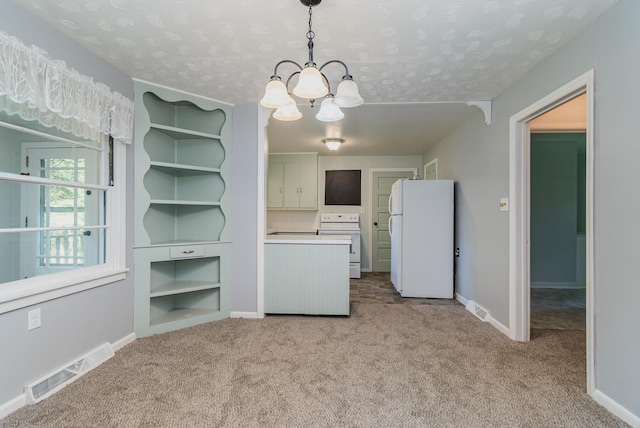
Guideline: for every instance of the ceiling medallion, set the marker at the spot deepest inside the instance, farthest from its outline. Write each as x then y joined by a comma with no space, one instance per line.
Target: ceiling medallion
312,85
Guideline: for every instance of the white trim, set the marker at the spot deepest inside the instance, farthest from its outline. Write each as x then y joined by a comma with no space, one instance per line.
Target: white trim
21,400
121,343
251,315
460,298
485,107
424,168
263,158
615,408
370,226
519,276
43,288
495,323
49,136
12,405
499,326
38,180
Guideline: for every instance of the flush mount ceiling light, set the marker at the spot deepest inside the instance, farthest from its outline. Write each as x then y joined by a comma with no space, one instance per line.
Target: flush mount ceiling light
312,85
333,143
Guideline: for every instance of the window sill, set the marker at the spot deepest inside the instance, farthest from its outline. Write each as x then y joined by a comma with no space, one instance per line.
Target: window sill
31,291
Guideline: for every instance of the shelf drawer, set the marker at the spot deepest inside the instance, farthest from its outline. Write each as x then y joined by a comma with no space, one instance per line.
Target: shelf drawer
186,251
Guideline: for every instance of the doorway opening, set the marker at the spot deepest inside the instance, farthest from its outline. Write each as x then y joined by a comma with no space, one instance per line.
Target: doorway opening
519,216
380,181
557,215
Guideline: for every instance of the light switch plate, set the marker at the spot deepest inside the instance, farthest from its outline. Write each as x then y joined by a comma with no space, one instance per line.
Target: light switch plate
504,204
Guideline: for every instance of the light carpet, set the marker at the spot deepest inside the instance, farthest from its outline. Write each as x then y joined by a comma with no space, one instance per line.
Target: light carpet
384,366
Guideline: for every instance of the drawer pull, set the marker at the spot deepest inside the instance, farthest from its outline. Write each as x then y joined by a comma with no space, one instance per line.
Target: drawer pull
187,252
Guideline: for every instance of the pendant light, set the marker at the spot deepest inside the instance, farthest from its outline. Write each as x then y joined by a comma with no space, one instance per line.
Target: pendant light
312,85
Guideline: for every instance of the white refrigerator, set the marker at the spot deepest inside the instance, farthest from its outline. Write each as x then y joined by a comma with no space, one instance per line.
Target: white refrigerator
421,229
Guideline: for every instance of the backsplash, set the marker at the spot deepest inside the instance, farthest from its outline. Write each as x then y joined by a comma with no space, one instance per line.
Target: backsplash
293,221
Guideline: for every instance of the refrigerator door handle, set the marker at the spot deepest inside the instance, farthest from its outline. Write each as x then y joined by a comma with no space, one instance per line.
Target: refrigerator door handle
389,225
390,196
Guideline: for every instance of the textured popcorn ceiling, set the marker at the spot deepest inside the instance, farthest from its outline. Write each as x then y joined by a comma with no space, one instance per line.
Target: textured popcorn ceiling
401,51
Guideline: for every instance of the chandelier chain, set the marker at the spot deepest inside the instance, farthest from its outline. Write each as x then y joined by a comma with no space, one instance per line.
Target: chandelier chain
310,33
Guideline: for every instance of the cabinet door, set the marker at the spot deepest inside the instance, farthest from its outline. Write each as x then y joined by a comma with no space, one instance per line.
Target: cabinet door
275,182
308,185
291,185
292,182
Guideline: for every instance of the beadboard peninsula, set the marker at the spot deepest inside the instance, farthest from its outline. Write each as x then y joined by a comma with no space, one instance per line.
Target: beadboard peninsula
307,274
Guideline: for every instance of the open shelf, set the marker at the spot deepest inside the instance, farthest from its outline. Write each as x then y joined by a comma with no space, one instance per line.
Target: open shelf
197,152
178,287
167,309
179,275
184,185
184,115
168,222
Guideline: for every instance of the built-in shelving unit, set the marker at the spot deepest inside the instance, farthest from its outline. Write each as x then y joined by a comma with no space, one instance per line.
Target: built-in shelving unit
182,205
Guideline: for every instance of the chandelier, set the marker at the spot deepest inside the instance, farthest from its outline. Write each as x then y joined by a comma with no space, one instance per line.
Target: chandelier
312,85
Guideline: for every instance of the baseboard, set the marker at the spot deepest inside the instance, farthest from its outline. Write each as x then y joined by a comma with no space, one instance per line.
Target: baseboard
558,285
119,344
499,326
21,400
244,315
461,299
615,408
469,304
13,405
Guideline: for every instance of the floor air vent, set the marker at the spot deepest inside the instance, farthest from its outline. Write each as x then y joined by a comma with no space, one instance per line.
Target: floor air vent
47,385
477,310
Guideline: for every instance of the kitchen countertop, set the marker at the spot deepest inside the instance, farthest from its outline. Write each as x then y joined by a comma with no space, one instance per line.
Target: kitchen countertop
309,239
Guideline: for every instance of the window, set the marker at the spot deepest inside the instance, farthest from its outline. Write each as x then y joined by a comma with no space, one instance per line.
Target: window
62,178
59,212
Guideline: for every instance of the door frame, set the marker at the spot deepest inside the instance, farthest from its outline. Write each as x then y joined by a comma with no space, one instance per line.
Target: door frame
519,221
370,225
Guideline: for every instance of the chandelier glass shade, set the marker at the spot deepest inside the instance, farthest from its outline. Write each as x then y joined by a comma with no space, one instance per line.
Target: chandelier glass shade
312,85
329,111
288,112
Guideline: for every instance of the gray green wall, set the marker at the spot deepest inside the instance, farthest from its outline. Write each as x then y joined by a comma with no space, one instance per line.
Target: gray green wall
477,157
557,206
75,324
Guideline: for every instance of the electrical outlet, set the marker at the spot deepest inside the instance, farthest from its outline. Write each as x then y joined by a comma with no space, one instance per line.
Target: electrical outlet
33,319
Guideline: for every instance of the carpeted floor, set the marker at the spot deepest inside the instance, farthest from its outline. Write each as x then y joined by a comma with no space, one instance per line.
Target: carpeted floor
386,365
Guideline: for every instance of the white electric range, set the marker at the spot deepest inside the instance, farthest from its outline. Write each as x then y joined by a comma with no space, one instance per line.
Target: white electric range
344,224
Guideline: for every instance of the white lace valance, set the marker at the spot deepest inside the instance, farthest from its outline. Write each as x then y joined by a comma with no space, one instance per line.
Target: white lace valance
37,87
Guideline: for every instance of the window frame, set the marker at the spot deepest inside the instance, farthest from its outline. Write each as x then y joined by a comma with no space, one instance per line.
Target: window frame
38,289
